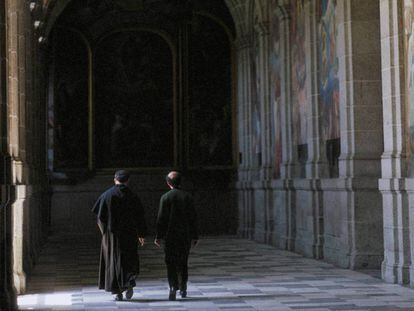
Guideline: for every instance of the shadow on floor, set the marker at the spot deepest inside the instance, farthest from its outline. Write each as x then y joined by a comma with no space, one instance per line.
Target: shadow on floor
203,298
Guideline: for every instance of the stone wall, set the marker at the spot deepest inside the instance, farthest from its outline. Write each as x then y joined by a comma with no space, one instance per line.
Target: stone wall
396,183
312,183
214,200
324,137
24,178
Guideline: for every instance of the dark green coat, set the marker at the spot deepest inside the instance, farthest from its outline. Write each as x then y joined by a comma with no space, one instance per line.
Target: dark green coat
177,223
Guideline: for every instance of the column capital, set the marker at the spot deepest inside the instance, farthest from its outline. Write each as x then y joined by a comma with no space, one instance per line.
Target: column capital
243,42
262,28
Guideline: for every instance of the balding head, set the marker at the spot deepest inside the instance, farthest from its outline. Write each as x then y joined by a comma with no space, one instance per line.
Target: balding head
121,176
174,179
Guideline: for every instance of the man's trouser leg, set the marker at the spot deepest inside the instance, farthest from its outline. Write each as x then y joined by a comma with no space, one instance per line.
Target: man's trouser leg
183,272
172,275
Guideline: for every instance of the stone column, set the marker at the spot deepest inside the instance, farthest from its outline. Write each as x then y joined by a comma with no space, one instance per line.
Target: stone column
359,56
7,293
18,21
238,9
244,127
397,209
262,30
309,220
286,197
264,205
314,164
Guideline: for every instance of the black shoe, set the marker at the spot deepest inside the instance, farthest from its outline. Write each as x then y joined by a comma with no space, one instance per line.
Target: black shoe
173,294
183,293
119,297
129,292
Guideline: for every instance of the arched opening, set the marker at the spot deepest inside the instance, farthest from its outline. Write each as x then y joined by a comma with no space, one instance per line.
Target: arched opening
68,98
146,86
134,101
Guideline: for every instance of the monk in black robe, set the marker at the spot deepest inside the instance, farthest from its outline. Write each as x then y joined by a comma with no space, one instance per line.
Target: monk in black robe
177,227
121,221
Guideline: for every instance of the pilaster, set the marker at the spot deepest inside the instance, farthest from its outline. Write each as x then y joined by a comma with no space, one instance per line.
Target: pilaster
396,190
266,203
289,155
314,164
20,128
359,57
7,292
246,223
262,30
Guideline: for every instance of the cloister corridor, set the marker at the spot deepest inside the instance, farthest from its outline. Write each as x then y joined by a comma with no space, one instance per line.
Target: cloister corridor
226,273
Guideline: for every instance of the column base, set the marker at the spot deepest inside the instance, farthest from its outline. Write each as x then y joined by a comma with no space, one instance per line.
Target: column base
394,273
19,281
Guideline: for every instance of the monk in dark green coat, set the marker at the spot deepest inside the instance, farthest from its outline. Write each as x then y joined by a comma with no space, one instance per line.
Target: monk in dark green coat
177,227
121,220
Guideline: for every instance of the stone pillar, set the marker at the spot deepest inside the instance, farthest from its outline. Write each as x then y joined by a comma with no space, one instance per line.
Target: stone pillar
309,205
15,96
243,185
361,137
287,195
25,137
7,293
397,190
314,163
262,30
264,205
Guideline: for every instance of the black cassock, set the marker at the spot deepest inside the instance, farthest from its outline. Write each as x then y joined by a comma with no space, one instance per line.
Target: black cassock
121,220
177,226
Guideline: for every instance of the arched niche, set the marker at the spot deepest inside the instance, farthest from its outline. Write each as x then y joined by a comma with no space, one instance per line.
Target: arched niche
210,95
68,104
134,100
158,96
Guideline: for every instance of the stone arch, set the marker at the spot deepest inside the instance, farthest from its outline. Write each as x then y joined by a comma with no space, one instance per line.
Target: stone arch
54,8
181,139
239,12
255,15
51,13
260,9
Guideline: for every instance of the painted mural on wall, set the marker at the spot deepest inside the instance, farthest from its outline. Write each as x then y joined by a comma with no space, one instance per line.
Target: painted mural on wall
68,113
328,62
409,59
275,89
210,117
299,74
134,114
255,91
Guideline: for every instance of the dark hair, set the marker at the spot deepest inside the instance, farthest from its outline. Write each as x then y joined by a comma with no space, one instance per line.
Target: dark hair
174,179
122,176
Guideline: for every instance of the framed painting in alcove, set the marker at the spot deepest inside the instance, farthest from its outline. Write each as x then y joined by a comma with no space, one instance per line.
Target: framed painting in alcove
134,101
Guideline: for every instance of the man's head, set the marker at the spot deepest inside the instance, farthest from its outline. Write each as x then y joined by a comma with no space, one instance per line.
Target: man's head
121,177
173,179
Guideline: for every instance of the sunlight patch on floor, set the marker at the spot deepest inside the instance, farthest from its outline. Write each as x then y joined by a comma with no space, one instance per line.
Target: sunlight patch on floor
46,300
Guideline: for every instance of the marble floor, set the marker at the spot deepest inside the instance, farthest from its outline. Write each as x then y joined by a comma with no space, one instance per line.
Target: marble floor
226,273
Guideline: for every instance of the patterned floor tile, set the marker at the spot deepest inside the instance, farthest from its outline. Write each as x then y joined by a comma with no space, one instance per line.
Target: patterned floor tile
225,274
